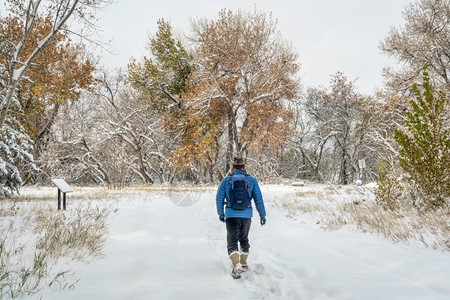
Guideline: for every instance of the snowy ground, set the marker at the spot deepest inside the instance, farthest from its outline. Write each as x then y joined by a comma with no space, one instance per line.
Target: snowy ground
172,246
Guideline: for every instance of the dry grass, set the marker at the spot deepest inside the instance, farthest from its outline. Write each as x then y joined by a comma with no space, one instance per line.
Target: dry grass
103,193
432,229
76,236
36,240
348,206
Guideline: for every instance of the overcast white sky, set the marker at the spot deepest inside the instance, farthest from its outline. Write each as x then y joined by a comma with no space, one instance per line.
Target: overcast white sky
329,35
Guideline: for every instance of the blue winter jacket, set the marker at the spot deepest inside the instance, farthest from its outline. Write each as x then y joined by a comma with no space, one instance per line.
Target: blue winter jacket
223,192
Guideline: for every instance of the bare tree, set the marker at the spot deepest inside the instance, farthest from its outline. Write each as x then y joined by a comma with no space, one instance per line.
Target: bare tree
314,137
128,118
424,40
333,134
111,137
78,153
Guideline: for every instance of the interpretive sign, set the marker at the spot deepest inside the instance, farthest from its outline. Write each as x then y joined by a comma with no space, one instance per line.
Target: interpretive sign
63,188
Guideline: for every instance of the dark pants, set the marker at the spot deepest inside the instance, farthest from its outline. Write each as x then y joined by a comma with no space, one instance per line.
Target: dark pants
237,231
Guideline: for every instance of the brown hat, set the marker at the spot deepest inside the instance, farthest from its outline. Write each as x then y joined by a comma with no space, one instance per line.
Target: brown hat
238,163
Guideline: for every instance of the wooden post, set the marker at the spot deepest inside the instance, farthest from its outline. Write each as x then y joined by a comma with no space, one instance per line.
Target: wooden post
59,199
64,201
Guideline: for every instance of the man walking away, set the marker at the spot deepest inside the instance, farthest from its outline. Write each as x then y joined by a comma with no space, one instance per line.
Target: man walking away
238,189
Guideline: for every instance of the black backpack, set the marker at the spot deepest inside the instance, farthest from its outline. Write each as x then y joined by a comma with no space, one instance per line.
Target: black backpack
239,198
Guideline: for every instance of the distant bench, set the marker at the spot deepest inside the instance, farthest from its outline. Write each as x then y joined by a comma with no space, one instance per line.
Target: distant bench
63,188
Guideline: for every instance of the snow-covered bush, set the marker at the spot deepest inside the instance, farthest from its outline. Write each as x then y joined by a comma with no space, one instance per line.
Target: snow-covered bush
389,190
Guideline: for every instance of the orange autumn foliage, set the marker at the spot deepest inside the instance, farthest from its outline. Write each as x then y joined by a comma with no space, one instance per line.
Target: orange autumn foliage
59,73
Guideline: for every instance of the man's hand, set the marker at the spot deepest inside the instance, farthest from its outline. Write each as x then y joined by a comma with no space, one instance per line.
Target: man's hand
222,218
263,221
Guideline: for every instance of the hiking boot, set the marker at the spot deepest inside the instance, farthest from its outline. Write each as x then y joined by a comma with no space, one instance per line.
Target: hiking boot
243,260
234,256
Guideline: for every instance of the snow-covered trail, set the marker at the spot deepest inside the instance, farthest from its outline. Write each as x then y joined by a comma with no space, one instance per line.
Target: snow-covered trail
156,251
160,250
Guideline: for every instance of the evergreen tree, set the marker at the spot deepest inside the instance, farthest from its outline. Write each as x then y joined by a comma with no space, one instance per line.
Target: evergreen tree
425,145
163,75
15,146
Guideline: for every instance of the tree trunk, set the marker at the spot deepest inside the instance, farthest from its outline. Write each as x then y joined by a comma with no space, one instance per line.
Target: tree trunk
146,177
42,138
235,134
314,165
229,155
344,175
7,102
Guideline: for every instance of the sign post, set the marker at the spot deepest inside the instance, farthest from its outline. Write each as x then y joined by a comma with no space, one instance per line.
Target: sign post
63,188
362,166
